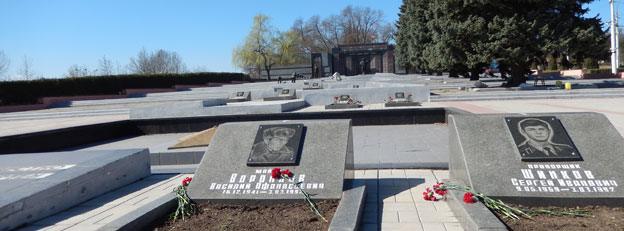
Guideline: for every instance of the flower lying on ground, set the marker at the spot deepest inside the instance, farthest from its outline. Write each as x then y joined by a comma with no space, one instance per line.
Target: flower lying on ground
440,190
186,207
277,173
186,181
469,198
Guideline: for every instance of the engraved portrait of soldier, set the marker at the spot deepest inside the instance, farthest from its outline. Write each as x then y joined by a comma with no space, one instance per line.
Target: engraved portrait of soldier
542,138
275,145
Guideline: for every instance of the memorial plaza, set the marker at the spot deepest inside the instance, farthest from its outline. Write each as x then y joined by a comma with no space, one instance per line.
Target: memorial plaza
121,159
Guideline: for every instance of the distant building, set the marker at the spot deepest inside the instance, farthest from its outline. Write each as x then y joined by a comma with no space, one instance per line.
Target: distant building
346,59
363,59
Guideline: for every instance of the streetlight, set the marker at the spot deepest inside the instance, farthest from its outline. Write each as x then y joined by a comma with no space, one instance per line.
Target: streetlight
614,39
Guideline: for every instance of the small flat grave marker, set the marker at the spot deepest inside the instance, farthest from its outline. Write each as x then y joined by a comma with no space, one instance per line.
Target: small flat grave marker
239,96
312,86
343,102
401,100
283,94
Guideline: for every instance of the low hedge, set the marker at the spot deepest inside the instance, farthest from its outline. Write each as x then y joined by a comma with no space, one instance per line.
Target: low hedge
596,71
28,92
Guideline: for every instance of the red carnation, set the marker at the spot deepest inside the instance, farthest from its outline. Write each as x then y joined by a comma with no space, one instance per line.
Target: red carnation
276,173
439,189
287,172
187,181
469,198
429,196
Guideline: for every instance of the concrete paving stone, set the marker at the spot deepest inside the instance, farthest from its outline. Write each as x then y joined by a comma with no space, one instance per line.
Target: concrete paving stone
387,198
441,174
425,207
358,182
442,207
370,218
413,182
399,206
398,173
371,199
46,228
385,174
369,227
453,226
404,196
100,211
371,173
386,182
371,207
359,174
402,182
72,216
130,191
409,217
433,226
389,217
438,217
401,227
418,173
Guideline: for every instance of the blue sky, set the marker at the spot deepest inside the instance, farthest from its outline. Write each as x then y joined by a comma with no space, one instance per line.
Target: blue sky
57,34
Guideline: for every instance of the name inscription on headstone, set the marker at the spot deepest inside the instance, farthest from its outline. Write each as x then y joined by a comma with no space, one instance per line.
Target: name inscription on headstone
32,172
555,178
262,183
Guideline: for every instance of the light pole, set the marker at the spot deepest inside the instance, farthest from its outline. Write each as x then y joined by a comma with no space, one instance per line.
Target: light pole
614,45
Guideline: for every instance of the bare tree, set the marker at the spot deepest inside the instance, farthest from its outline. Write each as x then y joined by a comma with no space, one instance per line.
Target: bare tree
354,25
4,63
360,25
75,71
106,66
26,70
158,62
386,33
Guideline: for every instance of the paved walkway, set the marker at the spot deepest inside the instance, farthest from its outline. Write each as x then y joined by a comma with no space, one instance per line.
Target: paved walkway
394,201
103,211
15,127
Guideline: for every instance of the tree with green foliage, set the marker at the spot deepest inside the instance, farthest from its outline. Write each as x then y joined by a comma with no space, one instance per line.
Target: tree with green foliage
265,47
464,36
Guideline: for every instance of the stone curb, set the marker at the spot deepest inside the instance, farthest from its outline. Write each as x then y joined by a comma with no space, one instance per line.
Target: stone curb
472,216
145,215
350,209
174,169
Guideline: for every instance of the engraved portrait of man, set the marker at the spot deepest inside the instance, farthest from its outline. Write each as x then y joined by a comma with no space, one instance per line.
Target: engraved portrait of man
275,144
538,135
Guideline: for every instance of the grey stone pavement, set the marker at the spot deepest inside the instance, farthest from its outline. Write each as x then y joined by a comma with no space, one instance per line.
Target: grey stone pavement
401,146
394,201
